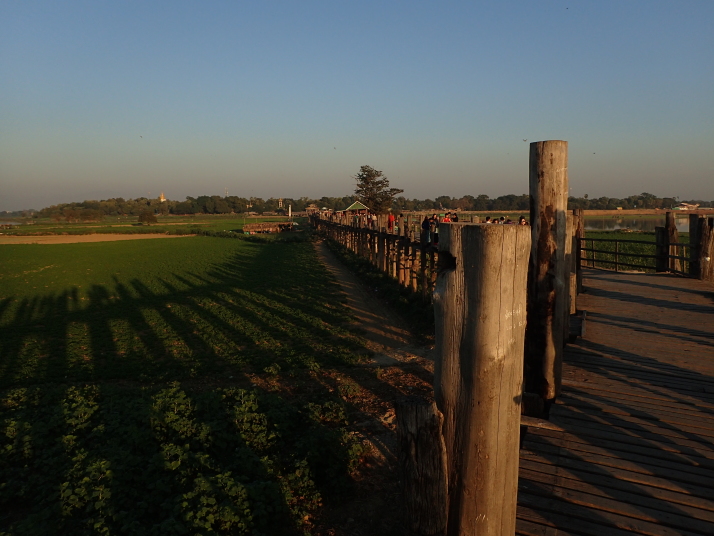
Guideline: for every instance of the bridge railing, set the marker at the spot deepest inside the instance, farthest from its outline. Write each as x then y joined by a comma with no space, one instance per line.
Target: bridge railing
412,263
666,253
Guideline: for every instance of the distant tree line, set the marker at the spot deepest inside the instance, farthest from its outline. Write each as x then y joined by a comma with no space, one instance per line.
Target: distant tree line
92,210
96,210
521,203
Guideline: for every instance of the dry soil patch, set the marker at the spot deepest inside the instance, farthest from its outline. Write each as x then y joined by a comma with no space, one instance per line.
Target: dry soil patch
74,239
397,367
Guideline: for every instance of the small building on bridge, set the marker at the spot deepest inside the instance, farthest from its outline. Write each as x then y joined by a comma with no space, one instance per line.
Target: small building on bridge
356,208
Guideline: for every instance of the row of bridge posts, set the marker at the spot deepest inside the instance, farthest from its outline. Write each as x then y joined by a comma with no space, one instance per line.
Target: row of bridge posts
502,304
701,240
669,250
502,300
411,263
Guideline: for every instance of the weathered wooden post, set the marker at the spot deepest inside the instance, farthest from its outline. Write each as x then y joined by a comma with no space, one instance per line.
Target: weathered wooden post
432,267
670,227
414,281
661,249
400,261
480,313
422,269
579,235
694,245
548,276
381,251
422,465
706,250
570,276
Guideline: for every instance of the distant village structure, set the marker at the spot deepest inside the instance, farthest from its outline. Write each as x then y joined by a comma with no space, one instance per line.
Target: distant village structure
686,206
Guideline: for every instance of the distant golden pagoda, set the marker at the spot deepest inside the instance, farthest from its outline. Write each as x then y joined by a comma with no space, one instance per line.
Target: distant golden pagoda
162,198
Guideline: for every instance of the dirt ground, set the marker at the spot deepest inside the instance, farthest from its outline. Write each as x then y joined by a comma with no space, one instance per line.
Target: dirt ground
397,367
74,239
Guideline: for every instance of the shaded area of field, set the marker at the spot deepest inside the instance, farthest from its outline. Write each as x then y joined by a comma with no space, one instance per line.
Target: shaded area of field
197,384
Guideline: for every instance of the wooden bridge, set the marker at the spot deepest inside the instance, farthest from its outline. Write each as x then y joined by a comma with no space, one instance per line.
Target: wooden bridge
629,448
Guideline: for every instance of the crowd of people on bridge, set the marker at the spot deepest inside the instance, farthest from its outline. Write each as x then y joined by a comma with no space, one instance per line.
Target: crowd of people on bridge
430,225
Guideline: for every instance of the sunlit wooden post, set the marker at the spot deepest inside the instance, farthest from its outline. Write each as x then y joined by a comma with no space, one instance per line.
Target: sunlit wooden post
577,247
706,251
670,227
569,275
548,277
480,314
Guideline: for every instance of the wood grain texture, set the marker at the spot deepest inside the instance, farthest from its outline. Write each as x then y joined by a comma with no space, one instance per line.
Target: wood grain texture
632,451
479,304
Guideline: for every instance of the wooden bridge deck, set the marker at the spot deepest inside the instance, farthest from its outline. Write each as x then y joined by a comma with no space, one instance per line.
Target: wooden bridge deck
632,449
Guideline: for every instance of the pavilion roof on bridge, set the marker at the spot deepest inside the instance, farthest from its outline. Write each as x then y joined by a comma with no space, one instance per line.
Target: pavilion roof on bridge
357,206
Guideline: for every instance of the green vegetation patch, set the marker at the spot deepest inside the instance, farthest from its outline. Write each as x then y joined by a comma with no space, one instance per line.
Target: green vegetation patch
173,225
170,387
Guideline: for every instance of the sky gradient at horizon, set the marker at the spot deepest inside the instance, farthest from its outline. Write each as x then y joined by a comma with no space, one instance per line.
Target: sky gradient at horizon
288,99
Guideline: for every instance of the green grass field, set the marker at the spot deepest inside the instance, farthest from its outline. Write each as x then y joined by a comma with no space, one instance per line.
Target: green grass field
170,387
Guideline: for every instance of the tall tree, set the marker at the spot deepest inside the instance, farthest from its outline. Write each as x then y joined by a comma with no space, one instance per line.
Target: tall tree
373,189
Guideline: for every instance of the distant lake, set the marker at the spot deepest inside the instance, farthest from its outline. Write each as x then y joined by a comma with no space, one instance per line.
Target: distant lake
613,223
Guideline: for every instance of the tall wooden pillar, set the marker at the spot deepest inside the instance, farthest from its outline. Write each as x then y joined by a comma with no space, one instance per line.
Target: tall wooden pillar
706,251
577,246
548,276
480,327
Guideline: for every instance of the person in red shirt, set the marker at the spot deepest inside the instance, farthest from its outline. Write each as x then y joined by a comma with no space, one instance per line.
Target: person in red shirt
390,222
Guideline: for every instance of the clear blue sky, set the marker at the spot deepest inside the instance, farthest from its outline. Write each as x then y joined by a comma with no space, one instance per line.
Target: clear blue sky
101,99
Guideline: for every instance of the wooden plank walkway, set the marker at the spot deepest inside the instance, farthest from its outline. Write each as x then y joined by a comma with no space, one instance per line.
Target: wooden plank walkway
632,449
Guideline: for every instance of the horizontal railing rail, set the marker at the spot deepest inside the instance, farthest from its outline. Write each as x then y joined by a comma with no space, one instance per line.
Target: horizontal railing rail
623,251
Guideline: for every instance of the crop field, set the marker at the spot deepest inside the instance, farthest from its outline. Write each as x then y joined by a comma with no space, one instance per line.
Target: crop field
627,249
182,386
181,225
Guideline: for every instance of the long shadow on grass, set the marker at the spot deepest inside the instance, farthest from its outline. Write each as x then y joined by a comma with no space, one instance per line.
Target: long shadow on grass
277,306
